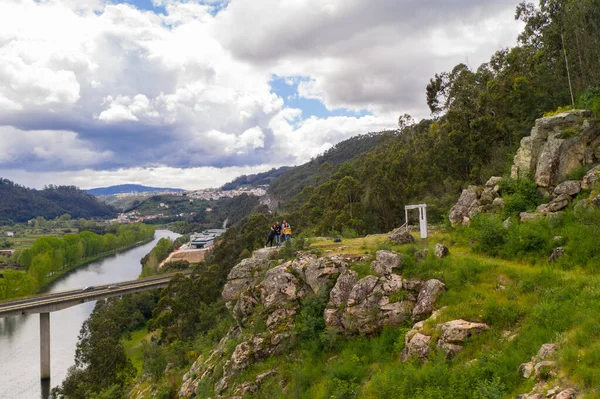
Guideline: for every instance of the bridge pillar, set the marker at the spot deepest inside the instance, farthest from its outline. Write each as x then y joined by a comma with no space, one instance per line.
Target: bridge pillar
45,346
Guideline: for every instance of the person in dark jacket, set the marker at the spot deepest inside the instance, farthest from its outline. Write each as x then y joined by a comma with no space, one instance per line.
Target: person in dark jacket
270,237
277,229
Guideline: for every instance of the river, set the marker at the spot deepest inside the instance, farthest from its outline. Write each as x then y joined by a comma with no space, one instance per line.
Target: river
20,335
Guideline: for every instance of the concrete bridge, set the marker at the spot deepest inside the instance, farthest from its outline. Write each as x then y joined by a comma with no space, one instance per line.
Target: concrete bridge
47,303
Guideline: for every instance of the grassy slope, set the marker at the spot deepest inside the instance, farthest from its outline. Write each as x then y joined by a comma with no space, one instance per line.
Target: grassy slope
538,303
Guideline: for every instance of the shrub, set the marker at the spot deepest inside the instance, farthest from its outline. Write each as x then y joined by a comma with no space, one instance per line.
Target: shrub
590,99
520,195
528,239
489,233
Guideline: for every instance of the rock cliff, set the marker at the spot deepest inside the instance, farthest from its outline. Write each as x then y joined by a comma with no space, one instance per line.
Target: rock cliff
557,147
265,298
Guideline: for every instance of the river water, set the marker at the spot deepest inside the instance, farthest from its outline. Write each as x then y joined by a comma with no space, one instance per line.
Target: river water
20,335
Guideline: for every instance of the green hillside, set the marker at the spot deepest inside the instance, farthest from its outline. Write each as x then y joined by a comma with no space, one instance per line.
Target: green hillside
20,204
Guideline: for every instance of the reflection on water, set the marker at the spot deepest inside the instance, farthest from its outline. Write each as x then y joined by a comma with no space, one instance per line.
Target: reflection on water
8,326
20,335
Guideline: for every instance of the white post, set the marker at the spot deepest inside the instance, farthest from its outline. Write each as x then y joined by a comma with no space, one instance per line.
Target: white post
423,221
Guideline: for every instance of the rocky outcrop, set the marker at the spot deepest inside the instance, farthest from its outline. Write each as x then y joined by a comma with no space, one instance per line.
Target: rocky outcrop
456,332
401,236
476,199
246,273
265,297
385,262
369,308
539,364
546,375
557,146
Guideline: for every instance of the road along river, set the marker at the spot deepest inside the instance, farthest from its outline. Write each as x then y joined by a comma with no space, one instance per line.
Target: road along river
20,335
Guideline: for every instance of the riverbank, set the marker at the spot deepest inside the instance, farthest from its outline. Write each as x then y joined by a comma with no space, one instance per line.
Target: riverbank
87,261
24,289
19,335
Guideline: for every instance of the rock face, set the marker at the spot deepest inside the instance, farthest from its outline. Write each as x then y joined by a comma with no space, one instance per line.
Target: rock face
557,146
247,272
385,262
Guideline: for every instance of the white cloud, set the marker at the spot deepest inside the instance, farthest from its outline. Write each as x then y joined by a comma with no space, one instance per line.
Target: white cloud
190,89
189,178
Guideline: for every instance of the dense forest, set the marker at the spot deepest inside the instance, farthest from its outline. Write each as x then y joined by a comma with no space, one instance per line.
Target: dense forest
20,204
320,168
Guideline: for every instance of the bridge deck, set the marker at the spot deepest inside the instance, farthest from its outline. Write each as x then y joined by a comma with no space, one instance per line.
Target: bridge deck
65,299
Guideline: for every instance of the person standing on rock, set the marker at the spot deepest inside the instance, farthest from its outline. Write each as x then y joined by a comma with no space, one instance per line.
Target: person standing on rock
287,231
277,229
270,237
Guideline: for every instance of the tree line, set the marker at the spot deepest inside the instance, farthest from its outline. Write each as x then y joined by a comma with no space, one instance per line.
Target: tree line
20,204
50,256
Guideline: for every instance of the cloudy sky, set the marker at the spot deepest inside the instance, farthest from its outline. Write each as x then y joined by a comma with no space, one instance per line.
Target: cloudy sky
193,93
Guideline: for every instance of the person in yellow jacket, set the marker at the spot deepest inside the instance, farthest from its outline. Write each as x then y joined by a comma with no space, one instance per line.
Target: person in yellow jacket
286,231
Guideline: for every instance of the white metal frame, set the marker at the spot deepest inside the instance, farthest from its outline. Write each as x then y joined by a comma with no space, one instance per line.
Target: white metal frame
422,217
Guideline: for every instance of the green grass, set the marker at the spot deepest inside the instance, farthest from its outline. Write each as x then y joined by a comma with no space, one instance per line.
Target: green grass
134,346
510,285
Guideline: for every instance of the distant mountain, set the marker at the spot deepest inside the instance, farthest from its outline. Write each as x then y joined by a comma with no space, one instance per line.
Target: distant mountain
20,204
259,179
128,188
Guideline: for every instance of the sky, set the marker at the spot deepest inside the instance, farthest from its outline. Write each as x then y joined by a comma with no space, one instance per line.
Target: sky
192,93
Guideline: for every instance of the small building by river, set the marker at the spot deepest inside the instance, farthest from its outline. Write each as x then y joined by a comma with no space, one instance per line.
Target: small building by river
205,239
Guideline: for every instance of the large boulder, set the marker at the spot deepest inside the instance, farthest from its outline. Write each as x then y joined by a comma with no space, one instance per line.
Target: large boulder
569,187
401,236
441,251
427,298
338,297
559,203
467,205
385,262
369,307
456,332
557,146
343,287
